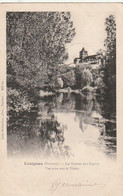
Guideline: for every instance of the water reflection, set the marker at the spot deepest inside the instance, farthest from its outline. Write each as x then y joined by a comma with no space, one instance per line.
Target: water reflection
41,136
60,126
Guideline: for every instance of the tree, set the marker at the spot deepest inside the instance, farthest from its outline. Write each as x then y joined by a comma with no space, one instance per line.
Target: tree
110,65
83,77
69,78
101,52
99,84
78,75
86,78
36,46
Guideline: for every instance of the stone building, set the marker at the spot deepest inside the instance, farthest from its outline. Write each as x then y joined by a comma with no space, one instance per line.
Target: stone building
84,59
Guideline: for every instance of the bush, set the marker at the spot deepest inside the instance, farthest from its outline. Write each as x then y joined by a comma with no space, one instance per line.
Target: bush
86,78
69,78
99,84
17,101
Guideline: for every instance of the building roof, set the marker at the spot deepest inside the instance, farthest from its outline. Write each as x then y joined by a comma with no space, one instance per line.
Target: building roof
76,58
91,56
83,49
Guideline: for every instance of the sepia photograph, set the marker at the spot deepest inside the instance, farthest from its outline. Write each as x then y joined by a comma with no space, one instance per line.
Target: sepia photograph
61,84
61,105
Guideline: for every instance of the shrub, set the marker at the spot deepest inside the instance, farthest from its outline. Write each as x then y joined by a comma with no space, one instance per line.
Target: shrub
86,78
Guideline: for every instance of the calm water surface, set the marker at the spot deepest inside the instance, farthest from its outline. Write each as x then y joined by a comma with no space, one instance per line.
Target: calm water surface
64,126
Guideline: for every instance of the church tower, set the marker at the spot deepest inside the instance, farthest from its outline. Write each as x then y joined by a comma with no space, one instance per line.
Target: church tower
83,53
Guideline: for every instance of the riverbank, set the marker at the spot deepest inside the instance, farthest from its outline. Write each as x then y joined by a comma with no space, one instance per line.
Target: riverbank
86,89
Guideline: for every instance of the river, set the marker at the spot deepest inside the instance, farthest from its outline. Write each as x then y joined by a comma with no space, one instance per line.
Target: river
64,126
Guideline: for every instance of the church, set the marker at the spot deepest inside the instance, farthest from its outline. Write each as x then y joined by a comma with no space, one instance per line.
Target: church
88,60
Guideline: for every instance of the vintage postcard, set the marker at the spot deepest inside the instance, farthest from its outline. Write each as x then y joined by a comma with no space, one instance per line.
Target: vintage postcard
61,99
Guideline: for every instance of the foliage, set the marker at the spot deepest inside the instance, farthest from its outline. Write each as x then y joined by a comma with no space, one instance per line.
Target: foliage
110,65
36,46
100,85
42,135
83,77
55,83
68,75
86,78
95,73
17,101
101,52
78,75
99,82
69,78
60,82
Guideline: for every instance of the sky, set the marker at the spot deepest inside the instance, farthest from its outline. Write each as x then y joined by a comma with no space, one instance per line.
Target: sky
90,33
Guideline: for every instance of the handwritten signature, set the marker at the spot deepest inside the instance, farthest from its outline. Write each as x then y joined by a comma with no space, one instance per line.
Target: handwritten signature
58,183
